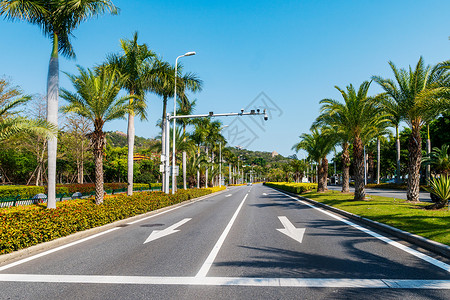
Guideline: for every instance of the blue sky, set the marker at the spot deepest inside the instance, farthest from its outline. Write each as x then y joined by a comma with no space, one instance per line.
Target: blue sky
294,52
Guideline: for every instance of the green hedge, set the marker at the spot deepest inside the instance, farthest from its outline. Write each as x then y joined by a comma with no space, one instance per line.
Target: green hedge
28,191
296,188
26,226
25,191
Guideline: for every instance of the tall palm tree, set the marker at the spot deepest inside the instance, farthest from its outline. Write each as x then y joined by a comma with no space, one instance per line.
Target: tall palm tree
186,107
165,88
406,90
57,20
359,117
318,146
141,67
335,125
97,99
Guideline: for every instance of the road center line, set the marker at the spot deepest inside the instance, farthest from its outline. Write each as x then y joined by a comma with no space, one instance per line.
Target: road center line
387,240
212,255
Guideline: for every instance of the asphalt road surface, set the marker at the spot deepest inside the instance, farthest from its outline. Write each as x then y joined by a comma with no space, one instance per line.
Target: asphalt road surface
249,242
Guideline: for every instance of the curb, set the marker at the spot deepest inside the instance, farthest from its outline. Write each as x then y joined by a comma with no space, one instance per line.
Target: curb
425,243
7,258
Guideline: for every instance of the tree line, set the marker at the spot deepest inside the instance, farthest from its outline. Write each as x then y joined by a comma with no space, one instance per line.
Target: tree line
416,95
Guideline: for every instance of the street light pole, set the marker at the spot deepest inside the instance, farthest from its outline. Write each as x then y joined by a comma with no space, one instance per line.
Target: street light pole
174,178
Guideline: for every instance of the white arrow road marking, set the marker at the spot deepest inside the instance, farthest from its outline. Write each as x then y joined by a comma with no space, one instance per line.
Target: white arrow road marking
290,230
228,195
156,234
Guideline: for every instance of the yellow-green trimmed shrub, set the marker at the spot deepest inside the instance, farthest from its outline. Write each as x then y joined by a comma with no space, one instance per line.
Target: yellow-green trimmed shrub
25,191
26,226
296,188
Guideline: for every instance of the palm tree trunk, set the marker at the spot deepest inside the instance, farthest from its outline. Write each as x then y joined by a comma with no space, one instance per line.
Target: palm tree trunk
163,137
206,172
82,164
322,170
378,159
359,169
414,161
397,179
428,167
184,157
52,117
98,142
184,169
325,173
198,169
99,193
130,141
345,169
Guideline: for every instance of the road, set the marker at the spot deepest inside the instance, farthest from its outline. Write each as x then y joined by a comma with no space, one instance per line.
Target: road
400,194
249,242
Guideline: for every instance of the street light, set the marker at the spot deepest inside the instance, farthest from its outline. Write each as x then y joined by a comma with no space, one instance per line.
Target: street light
174,178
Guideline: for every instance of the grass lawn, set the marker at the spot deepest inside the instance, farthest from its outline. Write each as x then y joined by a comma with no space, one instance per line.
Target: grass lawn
404,215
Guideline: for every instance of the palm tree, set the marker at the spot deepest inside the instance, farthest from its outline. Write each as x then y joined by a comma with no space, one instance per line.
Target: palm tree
406,91
165,88
141,67
185,108
335,125
359,117
57,20
440,159
318,146
12,124
96,99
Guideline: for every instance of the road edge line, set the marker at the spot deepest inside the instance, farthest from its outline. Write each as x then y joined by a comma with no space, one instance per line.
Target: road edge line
433,246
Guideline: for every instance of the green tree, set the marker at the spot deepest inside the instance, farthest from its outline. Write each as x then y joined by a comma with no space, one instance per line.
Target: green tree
57,20
186,107
407,90
165,88
10,122
96,99
359,117
318,146
142,68
439,159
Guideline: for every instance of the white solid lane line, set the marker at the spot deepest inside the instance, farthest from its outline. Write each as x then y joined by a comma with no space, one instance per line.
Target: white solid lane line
212,255
233,281
418,254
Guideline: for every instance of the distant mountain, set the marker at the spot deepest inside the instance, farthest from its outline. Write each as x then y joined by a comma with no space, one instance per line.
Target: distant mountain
261,158
119,139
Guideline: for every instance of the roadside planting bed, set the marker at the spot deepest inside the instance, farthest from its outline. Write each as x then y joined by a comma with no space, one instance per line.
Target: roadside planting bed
33,224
